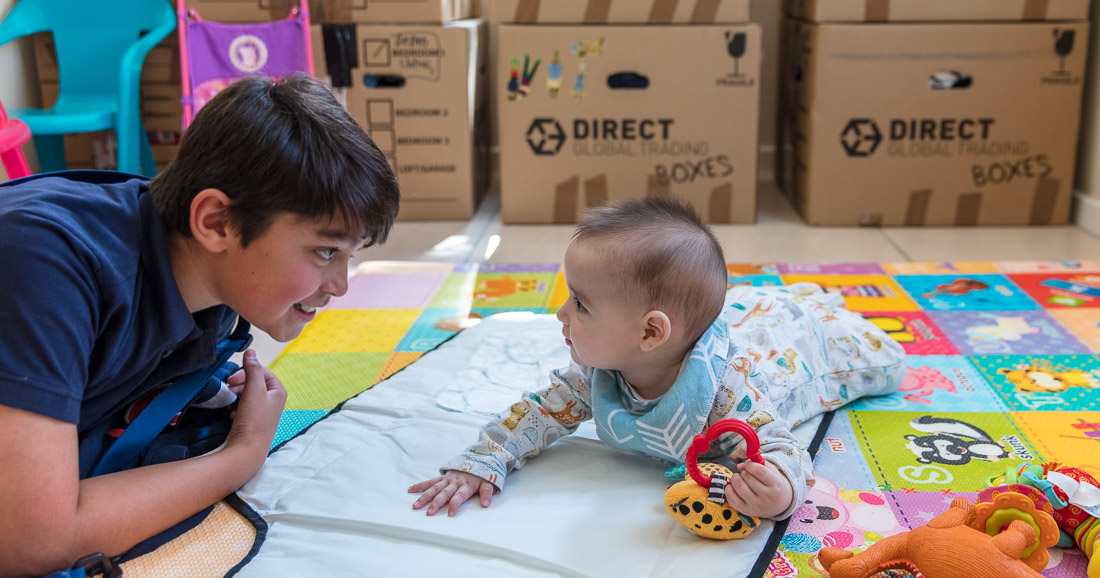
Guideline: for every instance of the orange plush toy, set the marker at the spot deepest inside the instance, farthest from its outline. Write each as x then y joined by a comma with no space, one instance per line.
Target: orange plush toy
1004,539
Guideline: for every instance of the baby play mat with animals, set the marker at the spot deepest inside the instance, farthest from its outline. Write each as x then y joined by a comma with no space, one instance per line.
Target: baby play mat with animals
1003,370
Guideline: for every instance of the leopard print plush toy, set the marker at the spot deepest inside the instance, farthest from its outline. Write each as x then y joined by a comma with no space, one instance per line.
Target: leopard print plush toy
699,502
687,503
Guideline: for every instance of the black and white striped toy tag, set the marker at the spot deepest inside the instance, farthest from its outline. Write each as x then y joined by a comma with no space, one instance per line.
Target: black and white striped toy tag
717,493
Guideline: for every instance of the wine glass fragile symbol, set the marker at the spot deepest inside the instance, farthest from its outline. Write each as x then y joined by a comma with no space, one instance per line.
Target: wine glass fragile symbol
1063,45
736,47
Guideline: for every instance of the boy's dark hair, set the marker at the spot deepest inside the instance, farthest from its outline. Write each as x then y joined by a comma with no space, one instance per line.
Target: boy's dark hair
660,253
279,146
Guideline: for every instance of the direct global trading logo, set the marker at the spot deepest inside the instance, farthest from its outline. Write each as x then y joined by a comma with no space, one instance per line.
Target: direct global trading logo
545,136
601,136
861,137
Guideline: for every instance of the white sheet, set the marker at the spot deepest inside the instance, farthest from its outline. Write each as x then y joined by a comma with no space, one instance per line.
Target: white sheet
336,500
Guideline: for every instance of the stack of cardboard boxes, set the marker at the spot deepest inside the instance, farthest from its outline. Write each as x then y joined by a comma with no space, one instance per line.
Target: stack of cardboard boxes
931,112
599,100
414,76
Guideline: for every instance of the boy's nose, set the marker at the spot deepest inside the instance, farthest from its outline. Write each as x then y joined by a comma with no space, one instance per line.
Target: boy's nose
561,314
336,285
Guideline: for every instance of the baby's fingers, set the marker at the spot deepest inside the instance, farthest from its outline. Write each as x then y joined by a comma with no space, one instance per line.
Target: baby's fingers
442,497
735,501
486,492
431,489
464,493
421,486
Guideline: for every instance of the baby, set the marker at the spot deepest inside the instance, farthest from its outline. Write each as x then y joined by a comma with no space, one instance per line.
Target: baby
661,351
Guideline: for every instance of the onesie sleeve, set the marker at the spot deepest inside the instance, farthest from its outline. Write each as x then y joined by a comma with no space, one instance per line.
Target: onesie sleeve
777,444
529,426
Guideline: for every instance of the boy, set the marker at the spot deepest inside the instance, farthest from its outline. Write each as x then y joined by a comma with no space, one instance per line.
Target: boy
661,351
115,289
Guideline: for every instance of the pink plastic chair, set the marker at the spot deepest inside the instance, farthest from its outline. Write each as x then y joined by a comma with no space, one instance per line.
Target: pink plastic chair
13,133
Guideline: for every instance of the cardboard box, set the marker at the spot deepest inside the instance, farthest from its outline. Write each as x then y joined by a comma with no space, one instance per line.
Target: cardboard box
935,10
691,133
337,11
922,124
618,11
426,125
161,66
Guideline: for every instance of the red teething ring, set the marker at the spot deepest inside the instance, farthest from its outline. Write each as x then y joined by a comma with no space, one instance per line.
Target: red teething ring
701,443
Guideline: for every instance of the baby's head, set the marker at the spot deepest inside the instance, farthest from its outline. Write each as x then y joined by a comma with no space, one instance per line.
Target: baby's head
644,255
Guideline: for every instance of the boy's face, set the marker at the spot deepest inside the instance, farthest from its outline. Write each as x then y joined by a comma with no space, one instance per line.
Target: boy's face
286,274
600,329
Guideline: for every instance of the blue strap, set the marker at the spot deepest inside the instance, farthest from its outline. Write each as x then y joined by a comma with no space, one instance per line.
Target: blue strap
74,573
153,419
95,177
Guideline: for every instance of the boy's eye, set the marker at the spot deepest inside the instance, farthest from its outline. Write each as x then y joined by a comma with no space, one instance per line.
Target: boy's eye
580,306
327,253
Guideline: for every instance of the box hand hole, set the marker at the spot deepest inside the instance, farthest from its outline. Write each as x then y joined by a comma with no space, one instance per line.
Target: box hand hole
627,81
950,80
383,80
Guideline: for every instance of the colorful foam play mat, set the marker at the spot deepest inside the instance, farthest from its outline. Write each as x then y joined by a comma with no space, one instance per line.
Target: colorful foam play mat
1003,371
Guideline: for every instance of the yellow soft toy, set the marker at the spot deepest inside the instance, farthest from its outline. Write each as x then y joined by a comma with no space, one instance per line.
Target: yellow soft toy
699,502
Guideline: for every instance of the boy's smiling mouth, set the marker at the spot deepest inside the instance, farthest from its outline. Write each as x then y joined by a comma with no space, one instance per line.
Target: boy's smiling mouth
305,308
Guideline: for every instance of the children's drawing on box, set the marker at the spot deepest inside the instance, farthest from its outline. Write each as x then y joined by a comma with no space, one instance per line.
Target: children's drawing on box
553,75
519,85
583,50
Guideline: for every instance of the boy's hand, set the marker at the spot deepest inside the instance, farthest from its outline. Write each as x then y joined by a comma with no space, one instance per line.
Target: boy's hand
760,490
261,402
452,488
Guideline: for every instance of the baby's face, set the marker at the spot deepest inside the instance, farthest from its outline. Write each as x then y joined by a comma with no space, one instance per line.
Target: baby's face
600,330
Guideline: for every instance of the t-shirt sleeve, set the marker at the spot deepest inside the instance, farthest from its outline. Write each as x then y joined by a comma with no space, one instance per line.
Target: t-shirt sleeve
47,328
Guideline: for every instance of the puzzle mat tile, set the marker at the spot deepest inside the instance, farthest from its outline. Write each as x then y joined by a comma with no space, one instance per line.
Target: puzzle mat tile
862,292
394,311
1007,333
978,292
840,457
1044,383
1082,323
926,451
937,383
1062,290
1049,266
917,333
830,269
947,268
1071,438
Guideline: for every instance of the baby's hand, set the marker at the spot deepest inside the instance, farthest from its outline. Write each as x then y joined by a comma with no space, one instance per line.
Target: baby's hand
760,490
454,487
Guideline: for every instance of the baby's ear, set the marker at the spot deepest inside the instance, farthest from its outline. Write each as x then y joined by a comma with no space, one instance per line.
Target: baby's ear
657,330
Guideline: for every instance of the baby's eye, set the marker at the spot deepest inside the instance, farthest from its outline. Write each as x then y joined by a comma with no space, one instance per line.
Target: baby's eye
580,306
327,253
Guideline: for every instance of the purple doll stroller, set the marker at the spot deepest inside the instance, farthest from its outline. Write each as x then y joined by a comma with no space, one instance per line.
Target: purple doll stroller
213,54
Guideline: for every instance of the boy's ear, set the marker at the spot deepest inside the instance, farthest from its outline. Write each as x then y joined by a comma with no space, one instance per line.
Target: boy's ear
657,330
210,221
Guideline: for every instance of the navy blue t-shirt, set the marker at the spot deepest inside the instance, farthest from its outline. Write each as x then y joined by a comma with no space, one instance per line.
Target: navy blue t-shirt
94,317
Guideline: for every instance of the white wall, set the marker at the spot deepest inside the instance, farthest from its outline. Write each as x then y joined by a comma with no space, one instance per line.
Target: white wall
1088,158
768,14
18,80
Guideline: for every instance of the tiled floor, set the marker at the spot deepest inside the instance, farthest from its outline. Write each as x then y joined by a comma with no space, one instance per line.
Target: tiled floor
779,236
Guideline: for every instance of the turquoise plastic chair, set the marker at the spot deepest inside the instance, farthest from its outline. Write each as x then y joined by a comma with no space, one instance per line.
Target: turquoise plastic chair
100,50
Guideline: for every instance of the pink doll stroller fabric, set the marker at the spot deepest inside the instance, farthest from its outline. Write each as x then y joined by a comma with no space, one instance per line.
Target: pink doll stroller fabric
213,54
